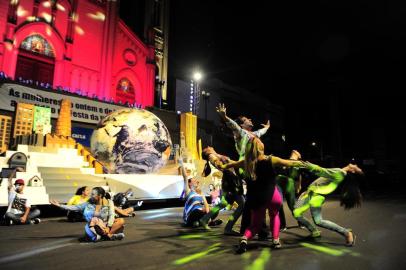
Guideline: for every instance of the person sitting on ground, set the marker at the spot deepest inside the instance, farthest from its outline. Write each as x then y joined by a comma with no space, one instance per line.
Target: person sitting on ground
81,196
122,206
196,205
98,211
214,195
19,210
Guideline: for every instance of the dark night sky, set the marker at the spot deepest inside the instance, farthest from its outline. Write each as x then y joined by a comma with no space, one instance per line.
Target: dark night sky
305,56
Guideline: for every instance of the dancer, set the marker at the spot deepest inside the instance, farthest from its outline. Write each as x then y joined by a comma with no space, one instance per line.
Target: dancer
313,198
242,134
290,183
232,190
242,130
99,214
263,194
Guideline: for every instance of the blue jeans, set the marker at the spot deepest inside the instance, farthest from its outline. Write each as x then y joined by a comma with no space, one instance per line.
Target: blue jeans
16,217
314,201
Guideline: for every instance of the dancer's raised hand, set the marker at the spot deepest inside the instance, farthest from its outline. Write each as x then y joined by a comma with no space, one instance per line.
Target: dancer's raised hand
267,125
222,110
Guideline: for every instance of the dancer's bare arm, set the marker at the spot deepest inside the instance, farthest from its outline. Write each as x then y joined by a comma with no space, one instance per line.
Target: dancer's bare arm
233,164
280,162
186,184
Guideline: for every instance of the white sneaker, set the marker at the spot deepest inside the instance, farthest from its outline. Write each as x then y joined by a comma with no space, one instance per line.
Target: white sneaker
276,243
35,221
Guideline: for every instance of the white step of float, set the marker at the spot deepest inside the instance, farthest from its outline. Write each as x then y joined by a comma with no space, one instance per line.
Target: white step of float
63,171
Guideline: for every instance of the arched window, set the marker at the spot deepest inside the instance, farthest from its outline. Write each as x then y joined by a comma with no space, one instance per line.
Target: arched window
37,44
125,91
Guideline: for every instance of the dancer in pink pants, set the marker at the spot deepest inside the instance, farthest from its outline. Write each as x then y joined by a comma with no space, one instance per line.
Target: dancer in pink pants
262,191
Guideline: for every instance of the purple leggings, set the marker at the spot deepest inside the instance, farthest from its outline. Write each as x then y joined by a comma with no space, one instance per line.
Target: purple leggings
258,215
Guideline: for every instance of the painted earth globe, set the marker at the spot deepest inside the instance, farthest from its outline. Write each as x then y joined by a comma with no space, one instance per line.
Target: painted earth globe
131,141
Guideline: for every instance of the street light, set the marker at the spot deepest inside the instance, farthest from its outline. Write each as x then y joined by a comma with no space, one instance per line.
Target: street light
206,96
194,91
197,76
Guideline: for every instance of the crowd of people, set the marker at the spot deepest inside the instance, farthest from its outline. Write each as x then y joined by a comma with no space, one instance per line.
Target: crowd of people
254,184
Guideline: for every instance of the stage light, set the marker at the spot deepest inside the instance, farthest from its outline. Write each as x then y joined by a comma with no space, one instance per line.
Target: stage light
21,11
31,18
79,30
48,30
9,46
47,17
99,16
47,4
60,7
75,17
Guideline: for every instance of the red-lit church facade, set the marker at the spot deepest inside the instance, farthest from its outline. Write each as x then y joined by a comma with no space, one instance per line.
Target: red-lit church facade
79,44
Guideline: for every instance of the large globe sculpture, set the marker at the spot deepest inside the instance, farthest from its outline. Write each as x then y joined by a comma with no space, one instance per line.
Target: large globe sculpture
131,141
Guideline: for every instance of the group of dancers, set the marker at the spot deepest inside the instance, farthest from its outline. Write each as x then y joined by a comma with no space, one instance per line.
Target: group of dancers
265,188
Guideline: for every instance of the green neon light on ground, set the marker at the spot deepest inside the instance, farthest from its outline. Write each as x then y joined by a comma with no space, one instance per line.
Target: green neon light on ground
198,255
329,251
260,262
191,236
198,236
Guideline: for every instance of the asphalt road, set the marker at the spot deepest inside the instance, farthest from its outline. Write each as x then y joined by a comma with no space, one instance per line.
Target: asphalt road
155,239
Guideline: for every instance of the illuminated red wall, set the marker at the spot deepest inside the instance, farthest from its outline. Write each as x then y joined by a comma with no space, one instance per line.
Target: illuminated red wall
93,49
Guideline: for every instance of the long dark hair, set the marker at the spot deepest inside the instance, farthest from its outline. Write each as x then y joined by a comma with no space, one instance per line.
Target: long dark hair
254,149
205,156
239,120
207,169
350,192
102,193
80,190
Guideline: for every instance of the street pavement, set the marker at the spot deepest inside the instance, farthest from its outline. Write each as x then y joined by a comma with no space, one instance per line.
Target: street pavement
155,239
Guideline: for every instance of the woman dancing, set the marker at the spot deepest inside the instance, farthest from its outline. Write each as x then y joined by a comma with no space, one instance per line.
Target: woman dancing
313,198
262,192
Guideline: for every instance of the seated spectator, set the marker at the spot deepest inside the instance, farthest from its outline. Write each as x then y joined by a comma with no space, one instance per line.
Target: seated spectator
98,211
19,209
196,205
214,195
81,196
122,206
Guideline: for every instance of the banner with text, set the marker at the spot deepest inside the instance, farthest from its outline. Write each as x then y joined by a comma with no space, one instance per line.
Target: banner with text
83,109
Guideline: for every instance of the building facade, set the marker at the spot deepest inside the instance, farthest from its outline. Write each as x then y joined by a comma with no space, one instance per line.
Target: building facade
80,45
